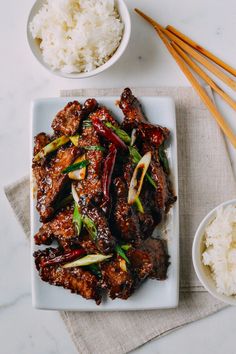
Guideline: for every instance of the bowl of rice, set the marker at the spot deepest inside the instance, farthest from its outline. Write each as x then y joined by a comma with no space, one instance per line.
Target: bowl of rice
78,38
214,252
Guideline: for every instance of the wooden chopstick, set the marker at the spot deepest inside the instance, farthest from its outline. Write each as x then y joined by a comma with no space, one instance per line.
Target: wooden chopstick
204,76
201,92
202,60
172,48
202,50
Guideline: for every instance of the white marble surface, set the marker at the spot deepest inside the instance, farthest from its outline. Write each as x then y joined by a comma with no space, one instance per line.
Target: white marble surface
24,330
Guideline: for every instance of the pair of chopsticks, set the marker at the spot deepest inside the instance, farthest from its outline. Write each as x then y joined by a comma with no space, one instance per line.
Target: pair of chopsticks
182,49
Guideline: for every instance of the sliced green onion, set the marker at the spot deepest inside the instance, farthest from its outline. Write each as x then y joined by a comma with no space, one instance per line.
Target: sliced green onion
126,247
120,132
133,137
51,147
163,158
87,123
94,148
87,260
75,140
87,222
121,253
150,180
136,157
77,219
136,182
139,205
74,193
76,166
79,174
94,268
90,227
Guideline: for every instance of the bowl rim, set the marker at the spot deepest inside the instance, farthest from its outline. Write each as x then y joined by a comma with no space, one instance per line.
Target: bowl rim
113,59
196,253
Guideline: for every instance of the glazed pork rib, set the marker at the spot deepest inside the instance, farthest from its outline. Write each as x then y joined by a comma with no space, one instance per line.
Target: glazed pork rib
118,282
51,182
77,280
157,250
141,264
68,120
90,189
126,222
105,241
131,108
60,228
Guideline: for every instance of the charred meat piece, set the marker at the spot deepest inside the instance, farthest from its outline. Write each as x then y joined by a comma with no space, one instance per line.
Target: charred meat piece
68,120
90,189
77,279
147,223
154,134
104,115
157,250
87,243
134,117
51,181
163,195
140,263
105,241
131,108
39,169
119,283
146,220
61,228
126,222
40,140
90,105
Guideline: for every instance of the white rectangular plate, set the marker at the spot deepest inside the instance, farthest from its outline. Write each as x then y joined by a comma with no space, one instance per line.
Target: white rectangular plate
152,294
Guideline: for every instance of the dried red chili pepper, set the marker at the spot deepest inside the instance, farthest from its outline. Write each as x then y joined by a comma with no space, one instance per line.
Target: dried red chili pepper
107,133
109,164
66,257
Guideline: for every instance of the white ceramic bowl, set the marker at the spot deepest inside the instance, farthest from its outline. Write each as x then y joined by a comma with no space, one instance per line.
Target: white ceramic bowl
203,271
125,17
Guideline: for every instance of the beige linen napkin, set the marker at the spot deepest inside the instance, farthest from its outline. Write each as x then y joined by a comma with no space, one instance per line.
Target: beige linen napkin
205,180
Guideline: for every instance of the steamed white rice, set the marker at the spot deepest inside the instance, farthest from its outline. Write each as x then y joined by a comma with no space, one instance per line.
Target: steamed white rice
77,35
220,253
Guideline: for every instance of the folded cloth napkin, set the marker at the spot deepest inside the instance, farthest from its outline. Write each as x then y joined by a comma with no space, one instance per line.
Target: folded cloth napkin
205,180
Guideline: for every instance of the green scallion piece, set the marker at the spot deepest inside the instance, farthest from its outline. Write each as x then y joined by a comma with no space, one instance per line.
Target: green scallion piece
139,205
77,219
87,260
87,123
90,227
163,158
126,247
136,157
120,132
121,253
75,140
76,166
95,269
94,148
